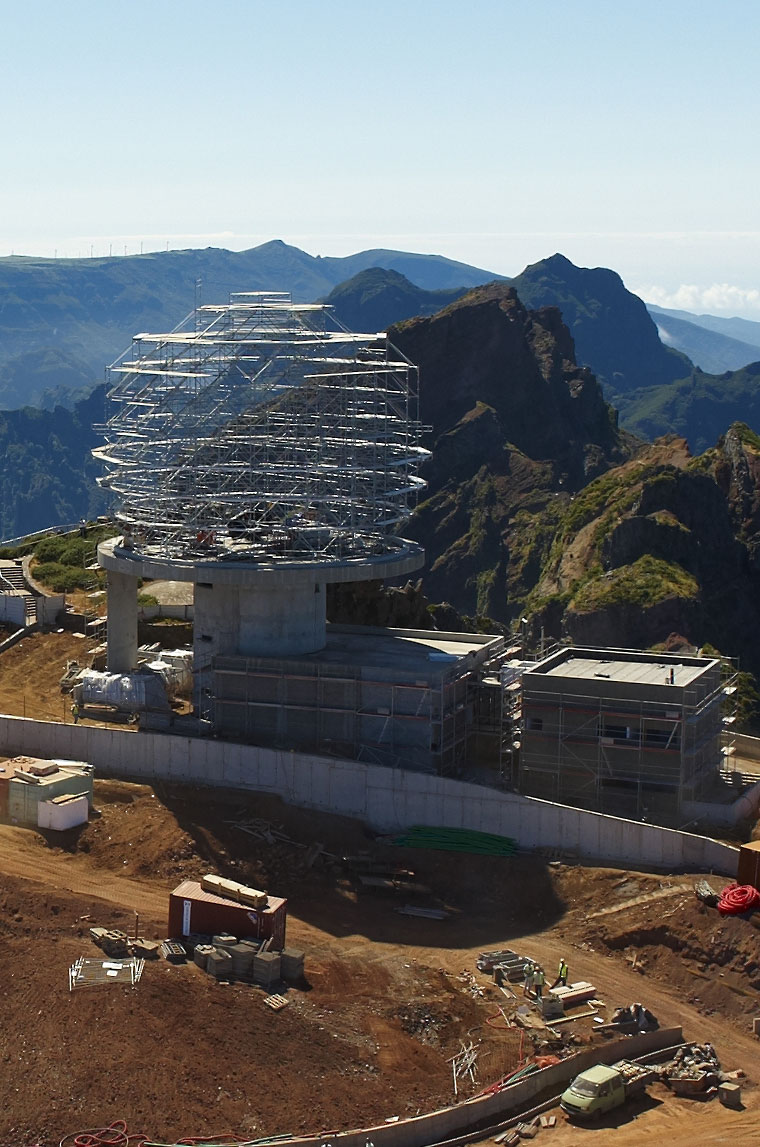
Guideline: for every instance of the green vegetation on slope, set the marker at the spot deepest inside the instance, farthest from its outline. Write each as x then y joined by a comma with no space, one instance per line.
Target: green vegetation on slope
61,560
645,583
700,407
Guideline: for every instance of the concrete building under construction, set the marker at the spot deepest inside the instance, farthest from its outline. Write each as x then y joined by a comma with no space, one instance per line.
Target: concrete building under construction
261,452
629,732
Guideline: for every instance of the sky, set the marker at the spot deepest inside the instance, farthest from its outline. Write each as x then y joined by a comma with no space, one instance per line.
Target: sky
495,132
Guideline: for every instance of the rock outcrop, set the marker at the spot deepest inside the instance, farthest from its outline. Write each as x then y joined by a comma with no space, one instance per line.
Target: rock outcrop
517,427
663,544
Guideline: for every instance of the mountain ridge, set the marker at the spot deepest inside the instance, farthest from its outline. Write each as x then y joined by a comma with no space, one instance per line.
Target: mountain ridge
86,310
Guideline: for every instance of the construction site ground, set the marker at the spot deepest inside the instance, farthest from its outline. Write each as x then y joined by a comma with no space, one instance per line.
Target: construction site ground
388,999
31,670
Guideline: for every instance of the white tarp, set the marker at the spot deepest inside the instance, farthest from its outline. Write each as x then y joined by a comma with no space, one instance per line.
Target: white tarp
129,692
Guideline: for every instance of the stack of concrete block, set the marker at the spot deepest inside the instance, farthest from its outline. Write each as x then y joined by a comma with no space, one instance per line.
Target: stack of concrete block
246,952
201,953
243,955
291,965
224,940
266,969
219,964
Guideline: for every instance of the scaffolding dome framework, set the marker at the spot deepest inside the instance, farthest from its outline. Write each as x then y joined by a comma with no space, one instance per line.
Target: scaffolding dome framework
262,430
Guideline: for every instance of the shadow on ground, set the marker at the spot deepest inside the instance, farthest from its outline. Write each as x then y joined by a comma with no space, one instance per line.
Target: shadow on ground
489,898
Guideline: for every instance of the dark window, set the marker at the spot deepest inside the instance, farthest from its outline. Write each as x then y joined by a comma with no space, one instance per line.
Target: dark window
536,724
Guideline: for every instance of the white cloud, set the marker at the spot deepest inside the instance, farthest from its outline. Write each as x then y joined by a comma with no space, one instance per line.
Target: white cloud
715,299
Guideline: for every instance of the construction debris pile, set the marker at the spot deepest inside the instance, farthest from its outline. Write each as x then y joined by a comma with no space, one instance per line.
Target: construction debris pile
634,1018
694,1068
119,946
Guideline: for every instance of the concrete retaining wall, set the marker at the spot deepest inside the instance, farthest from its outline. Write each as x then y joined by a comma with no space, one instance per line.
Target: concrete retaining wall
744,807
13,609
748,747
487,1110
385,798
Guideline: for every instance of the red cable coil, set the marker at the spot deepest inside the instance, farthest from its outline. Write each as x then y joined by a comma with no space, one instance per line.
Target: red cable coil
736,899
115,1134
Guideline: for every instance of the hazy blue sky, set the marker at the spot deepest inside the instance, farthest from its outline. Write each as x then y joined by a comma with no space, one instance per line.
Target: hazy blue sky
622,134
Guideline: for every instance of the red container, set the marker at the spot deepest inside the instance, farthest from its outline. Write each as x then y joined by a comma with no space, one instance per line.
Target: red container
191,909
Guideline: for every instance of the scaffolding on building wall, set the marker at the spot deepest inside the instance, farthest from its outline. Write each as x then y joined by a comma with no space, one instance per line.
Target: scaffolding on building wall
261,429
419,724
630,756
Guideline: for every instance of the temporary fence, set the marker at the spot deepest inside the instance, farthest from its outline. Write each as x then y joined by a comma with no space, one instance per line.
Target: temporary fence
85,973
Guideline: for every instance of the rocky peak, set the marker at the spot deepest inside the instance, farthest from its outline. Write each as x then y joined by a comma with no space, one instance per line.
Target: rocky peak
516,424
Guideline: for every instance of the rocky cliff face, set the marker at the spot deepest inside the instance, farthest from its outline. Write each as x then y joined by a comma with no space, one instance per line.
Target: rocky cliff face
517,427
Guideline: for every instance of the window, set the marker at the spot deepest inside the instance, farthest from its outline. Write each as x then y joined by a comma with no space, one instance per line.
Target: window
535,724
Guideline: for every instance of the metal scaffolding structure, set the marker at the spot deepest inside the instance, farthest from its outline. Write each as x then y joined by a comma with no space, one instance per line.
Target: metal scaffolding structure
259,430
626,752
349,710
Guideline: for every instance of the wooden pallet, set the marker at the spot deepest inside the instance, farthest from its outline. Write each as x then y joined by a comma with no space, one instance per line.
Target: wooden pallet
276,1003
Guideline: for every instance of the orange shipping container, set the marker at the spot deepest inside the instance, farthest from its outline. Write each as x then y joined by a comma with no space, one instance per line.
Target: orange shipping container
192,909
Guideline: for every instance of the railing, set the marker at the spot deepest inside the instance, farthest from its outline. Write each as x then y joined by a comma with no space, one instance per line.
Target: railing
63,528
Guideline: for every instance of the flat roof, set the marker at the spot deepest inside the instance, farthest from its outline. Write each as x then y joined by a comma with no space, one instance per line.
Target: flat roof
408,652
632,666
654,673
403,649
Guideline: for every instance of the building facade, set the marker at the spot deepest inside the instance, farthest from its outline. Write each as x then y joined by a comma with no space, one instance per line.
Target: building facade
627,732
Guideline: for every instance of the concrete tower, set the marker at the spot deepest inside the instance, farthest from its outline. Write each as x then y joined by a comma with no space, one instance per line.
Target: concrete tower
260,451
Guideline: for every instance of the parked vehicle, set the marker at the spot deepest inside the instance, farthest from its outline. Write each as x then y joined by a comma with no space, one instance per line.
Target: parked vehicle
600,1089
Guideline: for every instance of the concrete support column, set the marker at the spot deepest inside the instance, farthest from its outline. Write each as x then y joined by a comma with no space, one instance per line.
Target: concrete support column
122,622
258,621
282,621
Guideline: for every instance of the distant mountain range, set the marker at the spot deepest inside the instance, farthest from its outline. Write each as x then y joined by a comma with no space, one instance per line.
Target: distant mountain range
707,347
63,320
743,330
376,298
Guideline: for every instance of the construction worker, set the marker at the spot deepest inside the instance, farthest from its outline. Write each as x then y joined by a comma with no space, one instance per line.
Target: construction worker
75,712
528,977
539,979
561,974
